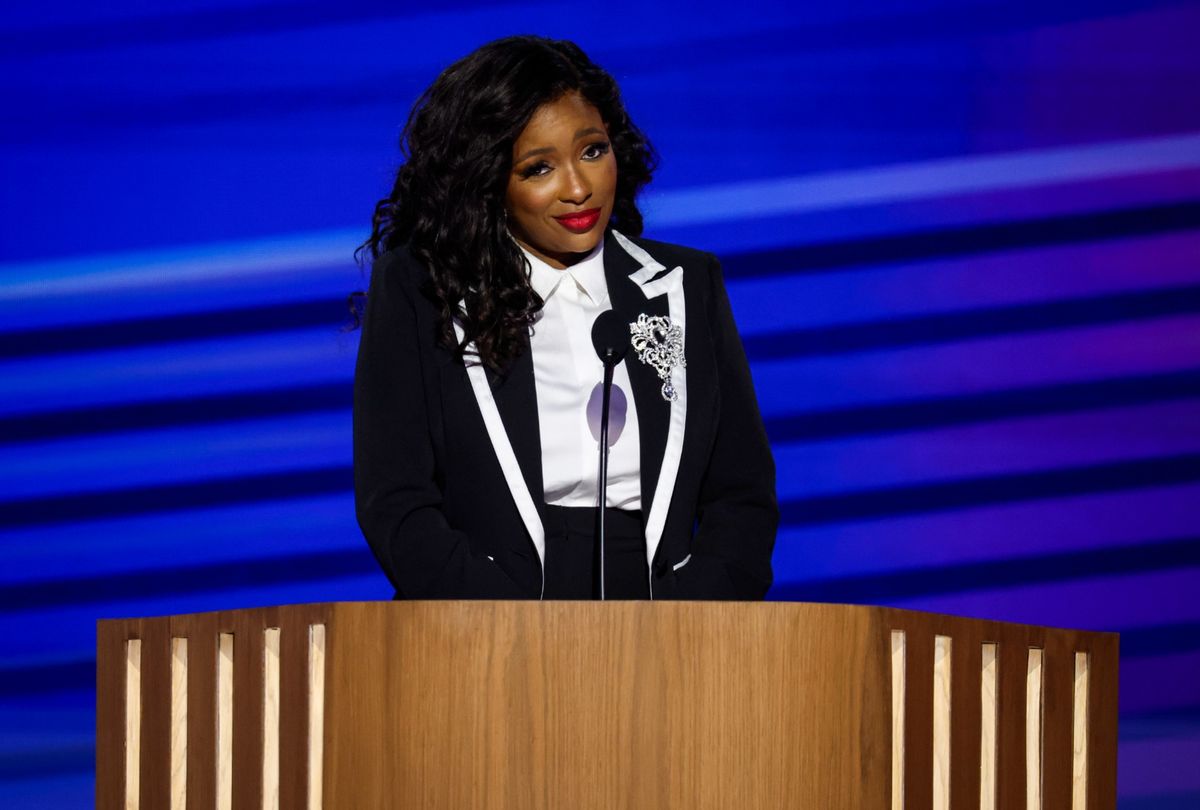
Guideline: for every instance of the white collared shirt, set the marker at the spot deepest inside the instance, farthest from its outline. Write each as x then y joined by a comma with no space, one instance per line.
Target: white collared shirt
569,379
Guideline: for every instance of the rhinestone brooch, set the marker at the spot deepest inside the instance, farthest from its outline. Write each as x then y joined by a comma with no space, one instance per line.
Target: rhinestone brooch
659,344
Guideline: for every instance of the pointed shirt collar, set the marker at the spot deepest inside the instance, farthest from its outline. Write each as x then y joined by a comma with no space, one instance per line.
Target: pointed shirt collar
587,274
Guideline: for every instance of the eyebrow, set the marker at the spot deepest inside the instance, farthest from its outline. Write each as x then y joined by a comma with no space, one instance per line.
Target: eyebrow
547,149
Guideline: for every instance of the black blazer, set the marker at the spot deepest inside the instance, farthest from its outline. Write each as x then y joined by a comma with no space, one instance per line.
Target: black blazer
447,458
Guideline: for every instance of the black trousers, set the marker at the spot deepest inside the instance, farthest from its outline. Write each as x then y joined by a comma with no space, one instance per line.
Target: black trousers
572,554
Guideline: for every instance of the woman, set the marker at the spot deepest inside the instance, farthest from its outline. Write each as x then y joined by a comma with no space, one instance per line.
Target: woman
512,224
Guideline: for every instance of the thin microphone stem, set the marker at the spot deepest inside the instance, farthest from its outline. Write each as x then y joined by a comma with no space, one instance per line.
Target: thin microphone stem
603,479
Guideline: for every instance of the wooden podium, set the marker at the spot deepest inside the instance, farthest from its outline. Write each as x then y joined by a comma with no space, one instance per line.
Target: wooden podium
575,705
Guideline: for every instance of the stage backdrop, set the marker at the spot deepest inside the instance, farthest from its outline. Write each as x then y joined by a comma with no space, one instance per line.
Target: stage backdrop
961,240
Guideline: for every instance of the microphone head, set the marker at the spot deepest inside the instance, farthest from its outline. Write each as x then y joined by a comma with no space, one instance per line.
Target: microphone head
610,337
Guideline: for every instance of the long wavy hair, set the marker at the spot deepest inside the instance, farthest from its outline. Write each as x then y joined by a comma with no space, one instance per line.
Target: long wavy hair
447,203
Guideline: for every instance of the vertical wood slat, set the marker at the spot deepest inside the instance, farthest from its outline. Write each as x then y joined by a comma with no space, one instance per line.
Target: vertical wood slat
133,723
988,694
248,716
1079,733
965,717
1057,700
201,632
918,720
1033,729
225,697
270,714
293,695
942,686
1010,731
179,722
316,716
898,686
156,713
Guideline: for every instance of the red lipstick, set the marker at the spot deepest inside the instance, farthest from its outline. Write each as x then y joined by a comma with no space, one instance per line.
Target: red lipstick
580,221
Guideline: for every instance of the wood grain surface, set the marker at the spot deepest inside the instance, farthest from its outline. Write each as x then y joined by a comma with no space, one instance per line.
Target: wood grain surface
607,705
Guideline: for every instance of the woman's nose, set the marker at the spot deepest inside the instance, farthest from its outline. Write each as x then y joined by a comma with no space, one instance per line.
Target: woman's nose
576,189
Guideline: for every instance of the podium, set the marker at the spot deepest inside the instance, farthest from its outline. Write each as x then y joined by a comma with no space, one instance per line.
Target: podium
577,705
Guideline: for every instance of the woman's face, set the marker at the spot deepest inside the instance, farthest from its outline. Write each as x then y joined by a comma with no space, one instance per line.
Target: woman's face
563,181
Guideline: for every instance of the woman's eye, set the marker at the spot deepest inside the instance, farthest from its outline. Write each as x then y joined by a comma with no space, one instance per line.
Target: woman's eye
536,170
596,150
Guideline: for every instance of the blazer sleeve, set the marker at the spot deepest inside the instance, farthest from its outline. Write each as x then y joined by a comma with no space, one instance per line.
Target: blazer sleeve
397,499
737,510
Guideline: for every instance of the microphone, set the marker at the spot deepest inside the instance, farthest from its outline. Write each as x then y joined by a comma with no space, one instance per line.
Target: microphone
610,338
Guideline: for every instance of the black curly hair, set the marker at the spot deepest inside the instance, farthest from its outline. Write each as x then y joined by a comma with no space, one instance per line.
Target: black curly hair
447,203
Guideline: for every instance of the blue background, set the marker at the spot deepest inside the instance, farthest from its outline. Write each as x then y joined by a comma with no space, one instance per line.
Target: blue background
962,241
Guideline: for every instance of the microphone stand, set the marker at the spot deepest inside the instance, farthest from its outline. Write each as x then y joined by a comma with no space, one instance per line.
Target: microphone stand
610,362
610,339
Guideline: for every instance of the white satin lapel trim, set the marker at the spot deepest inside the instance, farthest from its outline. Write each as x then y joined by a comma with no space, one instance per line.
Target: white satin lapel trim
505,455
672,285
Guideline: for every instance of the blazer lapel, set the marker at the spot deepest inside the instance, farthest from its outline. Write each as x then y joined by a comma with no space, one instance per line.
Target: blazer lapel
515,393
514,438
653,412
638,284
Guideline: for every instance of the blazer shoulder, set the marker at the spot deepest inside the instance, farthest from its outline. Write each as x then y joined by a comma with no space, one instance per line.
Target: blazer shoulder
398,274
400,266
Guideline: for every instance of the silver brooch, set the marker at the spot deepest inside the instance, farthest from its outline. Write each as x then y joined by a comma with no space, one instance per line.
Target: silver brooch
659,344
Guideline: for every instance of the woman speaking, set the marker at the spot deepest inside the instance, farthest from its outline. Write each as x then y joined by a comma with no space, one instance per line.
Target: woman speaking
512,225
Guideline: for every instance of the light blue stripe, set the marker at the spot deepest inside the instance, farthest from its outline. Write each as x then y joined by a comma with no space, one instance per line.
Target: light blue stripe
812,300
193,368
977,366
1004,447
182,538
923,180
143,270
1078,523
105,289
329,283
175,456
